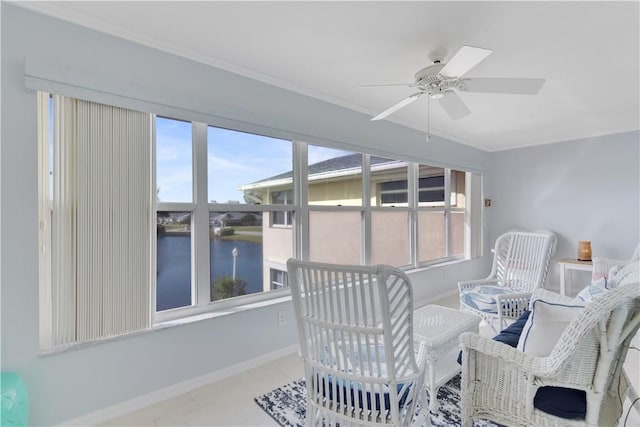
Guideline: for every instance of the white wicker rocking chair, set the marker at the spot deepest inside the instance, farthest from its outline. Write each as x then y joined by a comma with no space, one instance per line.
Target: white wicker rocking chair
355,325
499,383
520,264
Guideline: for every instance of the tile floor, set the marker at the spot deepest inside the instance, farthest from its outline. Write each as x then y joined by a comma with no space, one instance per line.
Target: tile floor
230,402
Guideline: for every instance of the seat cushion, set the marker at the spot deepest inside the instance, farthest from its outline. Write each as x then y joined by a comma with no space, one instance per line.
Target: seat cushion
562,402
483,297
367,400
351,359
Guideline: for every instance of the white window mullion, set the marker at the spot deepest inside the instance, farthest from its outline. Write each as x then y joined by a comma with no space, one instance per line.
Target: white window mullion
447,212
200,221
153,218
366,199
412,199
300,184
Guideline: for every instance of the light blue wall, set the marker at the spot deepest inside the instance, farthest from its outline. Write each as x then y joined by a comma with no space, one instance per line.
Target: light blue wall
587,189
68,385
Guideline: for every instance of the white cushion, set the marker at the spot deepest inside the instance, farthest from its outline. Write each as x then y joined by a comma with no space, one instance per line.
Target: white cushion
601,283
483,297
546,323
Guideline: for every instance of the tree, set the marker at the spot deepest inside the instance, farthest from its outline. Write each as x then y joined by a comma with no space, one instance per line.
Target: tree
248,219
227,287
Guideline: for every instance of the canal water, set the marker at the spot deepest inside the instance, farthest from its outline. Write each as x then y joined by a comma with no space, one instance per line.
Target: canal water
174,267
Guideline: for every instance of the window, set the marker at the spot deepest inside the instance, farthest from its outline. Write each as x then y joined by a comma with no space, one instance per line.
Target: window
279,279
280,218
175,285
217,216
441,213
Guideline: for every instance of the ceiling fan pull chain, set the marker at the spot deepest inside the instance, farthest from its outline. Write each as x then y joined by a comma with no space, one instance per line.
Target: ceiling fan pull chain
428,119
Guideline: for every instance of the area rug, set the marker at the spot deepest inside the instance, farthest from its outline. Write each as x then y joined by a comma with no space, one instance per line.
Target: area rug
287,405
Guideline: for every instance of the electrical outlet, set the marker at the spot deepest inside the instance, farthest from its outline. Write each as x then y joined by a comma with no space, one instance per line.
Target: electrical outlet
282,319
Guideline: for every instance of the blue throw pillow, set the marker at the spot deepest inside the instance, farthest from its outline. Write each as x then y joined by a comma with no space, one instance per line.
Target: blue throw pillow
562,402
511,334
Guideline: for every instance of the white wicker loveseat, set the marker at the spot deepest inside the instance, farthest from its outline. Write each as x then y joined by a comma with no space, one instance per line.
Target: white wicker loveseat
500,383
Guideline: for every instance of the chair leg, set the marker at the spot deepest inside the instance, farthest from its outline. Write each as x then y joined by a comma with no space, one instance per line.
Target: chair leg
631,392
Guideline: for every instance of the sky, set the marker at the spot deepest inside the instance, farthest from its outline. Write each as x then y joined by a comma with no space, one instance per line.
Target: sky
233,159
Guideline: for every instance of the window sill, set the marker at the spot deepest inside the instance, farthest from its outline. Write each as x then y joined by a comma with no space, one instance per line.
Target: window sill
437,265
220,312
169,324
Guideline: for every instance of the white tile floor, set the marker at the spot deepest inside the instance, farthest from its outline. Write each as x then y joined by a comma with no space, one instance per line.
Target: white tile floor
230,402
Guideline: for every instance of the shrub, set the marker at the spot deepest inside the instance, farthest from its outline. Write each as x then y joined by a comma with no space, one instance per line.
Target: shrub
227,231
227,287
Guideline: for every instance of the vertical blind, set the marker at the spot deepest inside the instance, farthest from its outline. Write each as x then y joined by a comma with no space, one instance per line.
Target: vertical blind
101,221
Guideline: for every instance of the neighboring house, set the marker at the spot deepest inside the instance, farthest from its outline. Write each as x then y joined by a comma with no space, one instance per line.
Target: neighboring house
337,182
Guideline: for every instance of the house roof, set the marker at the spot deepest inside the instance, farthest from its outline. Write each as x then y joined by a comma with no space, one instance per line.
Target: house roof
347,164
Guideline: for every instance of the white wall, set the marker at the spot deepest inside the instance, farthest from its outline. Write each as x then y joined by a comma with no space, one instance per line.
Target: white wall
68,385
585,189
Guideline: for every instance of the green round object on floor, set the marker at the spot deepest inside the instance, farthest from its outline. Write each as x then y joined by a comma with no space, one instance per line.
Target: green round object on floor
15,400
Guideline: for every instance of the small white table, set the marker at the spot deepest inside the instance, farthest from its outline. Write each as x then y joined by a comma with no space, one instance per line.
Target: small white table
439,327
571,264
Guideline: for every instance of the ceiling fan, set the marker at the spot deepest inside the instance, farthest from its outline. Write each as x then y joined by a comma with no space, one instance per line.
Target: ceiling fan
440,81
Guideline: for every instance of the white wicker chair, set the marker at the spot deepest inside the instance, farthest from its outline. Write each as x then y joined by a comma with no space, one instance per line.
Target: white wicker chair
520,264
355,325
499,382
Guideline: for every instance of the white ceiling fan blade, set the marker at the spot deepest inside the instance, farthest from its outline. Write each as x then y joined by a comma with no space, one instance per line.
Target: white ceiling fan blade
453,105
464,60
398,106
390,84
502,85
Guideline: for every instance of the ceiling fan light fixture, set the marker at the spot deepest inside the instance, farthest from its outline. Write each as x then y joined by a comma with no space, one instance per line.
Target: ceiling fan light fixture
437,95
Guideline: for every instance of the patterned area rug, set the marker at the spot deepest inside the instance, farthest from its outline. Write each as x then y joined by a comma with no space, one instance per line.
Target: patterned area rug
287,405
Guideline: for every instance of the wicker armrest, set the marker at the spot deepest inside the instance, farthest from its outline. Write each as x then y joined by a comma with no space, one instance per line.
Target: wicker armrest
513,305
505,353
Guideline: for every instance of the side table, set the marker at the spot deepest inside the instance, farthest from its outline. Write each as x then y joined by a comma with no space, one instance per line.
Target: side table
571,264
439,327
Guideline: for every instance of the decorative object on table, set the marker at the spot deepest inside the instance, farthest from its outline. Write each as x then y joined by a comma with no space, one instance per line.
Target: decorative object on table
520,264
580,381
584,250
287,405
355,327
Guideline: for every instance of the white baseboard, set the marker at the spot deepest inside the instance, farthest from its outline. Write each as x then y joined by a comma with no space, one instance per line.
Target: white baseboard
103,415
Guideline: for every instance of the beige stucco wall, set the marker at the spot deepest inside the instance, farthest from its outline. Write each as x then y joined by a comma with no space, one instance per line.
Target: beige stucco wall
390,238
335,237
277,248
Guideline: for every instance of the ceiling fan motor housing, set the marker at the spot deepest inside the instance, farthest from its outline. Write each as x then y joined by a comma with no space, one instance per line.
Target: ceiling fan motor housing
431,82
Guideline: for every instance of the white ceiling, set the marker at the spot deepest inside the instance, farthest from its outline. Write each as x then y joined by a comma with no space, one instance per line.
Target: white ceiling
587,51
